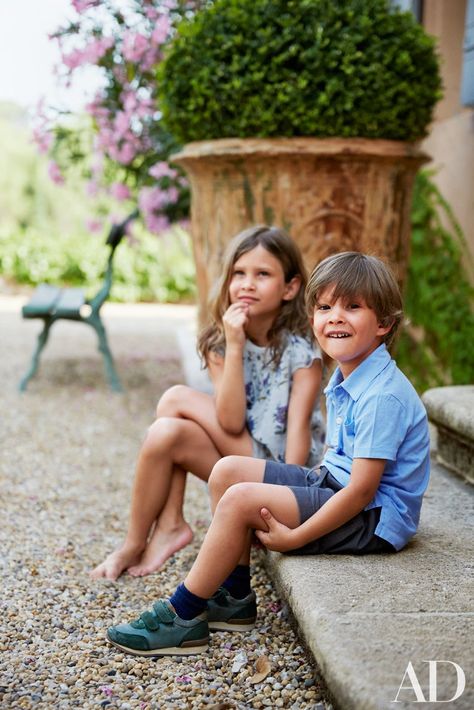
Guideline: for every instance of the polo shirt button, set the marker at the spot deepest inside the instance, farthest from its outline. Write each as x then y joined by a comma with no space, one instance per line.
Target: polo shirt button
339,420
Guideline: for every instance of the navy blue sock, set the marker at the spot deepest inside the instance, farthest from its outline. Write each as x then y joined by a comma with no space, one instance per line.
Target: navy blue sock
186,604
238,582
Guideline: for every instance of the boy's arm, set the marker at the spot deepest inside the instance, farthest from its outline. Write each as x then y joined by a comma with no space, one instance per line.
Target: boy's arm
341,507
305,389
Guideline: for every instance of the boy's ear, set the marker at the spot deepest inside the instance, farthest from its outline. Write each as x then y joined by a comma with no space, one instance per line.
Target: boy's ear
383,328
292,288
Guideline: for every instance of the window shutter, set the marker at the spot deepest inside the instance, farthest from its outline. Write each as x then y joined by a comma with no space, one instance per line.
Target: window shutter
467,86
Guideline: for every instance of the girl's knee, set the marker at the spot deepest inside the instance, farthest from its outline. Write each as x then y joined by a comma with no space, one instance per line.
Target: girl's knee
172,401
162,434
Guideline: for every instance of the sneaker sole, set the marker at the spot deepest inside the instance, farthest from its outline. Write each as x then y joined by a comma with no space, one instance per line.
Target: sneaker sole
244,625
199,647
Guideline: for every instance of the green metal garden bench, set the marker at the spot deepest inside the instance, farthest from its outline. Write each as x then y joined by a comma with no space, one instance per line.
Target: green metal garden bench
51,304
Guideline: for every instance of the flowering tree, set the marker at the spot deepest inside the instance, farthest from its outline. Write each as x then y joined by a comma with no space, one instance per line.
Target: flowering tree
122,145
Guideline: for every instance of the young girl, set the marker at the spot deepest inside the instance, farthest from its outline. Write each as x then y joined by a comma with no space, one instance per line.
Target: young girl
266,373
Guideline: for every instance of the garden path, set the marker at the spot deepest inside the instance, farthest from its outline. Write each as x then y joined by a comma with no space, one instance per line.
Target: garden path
68,451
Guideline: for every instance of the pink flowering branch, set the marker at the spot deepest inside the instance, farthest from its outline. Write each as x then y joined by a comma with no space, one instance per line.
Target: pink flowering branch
54,173
125,43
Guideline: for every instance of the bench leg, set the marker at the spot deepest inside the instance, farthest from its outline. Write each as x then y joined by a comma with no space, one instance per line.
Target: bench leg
110,371
42,339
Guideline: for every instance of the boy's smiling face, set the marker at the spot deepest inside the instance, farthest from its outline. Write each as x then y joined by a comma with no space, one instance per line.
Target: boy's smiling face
348,331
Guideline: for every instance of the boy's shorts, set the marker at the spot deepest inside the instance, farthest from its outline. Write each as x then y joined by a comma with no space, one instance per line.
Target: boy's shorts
311,490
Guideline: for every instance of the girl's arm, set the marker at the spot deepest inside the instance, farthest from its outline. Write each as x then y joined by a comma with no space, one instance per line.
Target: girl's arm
305,389
341,507
227,373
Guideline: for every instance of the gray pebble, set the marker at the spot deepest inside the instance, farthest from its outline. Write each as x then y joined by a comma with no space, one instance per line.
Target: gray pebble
66,480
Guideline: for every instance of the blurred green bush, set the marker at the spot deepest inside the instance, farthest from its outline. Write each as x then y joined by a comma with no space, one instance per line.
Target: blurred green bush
150,269
43,235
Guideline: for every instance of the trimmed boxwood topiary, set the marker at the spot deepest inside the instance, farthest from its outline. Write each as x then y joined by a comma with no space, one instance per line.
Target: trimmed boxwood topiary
263,68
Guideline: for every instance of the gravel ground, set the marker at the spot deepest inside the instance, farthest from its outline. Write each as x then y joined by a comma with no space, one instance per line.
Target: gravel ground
68,452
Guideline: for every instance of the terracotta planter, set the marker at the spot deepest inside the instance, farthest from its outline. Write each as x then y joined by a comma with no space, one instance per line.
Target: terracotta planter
330,194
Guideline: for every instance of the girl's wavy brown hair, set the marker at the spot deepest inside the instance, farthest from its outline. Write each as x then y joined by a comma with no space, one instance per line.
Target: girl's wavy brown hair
354,275
292,315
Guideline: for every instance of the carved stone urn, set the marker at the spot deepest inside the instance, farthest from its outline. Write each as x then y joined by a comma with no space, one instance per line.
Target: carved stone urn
331,195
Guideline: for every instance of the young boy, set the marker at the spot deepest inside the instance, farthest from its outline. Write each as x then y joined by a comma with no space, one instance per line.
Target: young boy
365,498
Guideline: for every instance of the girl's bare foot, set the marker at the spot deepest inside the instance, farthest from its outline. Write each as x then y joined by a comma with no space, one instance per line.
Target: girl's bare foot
163,544
117,562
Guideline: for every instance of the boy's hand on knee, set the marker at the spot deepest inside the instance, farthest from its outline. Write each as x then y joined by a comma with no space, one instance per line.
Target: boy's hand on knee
278,537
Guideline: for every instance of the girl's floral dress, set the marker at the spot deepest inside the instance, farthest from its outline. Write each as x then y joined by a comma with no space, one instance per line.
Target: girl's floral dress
267,388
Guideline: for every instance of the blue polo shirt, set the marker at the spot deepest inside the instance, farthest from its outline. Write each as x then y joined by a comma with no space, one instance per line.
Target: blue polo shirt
375,413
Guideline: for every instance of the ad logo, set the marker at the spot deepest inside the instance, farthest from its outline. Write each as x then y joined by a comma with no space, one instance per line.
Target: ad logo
410,689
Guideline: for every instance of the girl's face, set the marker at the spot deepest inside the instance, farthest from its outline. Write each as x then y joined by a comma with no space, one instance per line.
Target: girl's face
258,282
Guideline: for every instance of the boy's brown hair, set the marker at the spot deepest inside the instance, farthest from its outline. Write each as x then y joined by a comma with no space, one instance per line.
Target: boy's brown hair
353,275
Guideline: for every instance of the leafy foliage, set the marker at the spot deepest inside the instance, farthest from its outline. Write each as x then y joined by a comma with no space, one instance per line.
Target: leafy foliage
27,196
150,270
251,68
436,349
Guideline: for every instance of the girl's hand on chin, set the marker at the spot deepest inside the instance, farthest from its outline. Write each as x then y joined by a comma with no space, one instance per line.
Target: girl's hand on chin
235,320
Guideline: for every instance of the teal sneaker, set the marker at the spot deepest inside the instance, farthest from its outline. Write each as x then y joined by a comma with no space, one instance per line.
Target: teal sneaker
225,613
161,632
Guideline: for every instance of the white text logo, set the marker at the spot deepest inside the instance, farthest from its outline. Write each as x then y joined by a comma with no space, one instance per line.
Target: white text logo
410,688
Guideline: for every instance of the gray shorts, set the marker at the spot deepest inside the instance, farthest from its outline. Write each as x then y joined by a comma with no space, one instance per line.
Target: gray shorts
312,488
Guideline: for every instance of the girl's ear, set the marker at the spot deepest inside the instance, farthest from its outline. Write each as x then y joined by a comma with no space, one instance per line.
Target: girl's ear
292,288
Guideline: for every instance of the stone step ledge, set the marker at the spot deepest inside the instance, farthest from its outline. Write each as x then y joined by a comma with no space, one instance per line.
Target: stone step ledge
451,411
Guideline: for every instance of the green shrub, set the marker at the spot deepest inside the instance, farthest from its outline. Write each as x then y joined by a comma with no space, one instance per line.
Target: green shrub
152,269
27,195
243,68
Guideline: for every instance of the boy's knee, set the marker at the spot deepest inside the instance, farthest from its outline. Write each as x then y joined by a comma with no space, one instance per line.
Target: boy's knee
234,501
224,473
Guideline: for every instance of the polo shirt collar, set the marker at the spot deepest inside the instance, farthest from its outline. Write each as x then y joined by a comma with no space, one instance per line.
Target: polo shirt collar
357,382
